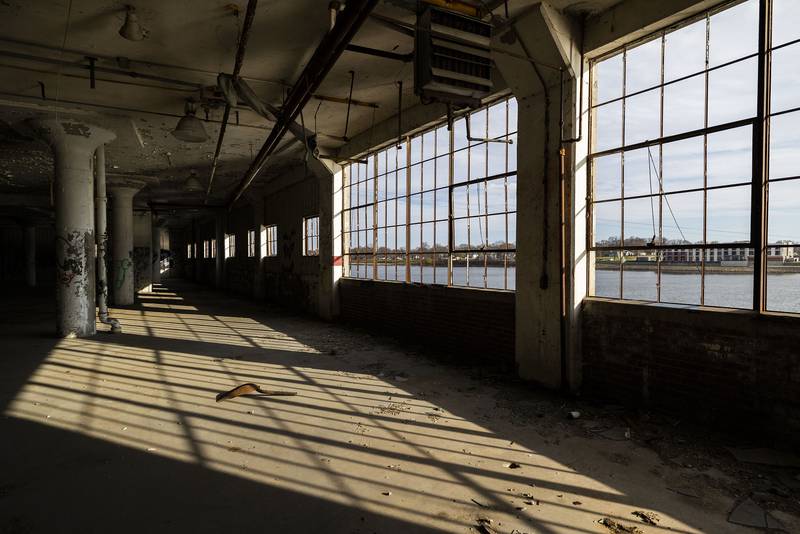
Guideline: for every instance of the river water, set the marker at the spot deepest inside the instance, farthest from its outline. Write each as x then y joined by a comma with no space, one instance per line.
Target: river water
733,290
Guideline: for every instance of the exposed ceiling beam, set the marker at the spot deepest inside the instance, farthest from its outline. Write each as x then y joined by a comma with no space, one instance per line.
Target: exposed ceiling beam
237,67
325,56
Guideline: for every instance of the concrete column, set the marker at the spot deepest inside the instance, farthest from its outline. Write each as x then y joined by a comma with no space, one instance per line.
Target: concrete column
155,250
330,225
544,263
122,192
30,255
73,144
142,251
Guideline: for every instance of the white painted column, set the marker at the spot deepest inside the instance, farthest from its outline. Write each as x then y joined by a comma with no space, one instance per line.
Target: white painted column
122,192
29,236
330,240
73,144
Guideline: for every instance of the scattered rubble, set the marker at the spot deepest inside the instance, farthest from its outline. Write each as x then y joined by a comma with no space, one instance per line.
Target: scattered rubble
646,517
619,528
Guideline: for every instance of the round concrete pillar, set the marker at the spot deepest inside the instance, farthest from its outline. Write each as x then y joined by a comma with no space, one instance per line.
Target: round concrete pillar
122,192
155,251
30,255
73,143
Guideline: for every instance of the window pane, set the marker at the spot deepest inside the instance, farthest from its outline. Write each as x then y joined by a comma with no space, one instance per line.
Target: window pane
607,223
728,215
682,217
496,159
496,196
608,127
728,288
608,79
784,212
732,92
643,66
684,106
785,78
785,21
683,164
730,156
685,51
607,174
680,277
497,120
638,277
460,166
641,220
784,146
641,171
477,161
733,33
642,117
607,274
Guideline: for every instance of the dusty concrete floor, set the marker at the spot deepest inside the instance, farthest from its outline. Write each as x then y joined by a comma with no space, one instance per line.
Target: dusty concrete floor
121,433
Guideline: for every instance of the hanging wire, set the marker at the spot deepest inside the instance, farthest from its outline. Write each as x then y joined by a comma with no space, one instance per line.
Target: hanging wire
666,201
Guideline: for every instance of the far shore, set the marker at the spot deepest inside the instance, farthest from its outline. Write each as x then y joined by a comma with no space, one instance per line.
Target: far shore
694,268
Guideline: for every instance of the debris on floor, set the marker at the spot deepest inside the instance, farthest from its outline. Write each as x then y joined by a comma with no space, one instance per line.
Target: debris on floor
619,528
750,514
245,389
647,517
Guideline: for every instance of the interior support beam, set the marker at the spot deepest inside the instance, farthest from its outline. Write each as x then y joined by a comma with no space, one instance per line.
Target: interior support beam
325,56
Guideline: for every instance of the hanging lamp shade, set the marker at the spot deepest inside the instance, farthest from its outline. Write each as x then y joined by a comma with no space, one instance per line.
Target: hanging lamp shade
131,29
189,128
192,183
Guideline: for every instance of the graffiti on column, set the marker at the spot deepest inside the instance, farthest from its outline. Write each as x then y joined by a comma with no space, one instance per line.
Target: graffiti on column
122,271
71,258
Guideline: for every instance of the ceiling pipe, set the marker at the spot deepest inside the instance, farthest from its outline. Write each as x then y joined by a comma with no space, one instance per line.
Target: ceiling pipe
405,58
237,67
108,70
330,48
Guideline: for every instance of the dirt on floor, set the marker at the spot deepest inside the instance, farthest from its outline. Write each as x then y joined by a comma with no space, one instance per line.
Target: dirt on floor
123,433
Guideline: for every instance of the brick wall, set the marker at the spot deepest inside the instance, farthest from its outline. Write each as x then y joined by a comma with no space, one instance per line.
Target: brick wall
463,321
731,368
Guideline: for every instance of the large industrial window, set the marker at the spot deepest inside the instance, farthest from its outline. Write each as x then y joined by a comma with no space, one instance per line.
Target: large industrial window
189,251
439,207
311,236
269,241
213,248
230,245
676,162
251,243
206,248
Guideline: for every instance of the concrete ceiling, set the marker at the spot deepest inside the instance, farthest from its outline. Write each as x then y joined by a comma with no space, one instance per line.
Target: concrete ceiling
188,42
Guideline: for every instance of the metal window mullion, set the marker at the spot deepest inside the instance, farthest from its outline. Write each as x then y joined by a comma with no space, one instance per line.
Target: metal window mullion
450,222
375,218
660,167
505,202
705,169
622,176
408,209
759,189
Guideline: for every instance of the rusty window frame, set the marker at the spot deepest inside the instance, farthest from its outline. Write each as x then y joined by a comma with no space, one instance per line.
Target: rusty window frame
311,236
382,237
758,154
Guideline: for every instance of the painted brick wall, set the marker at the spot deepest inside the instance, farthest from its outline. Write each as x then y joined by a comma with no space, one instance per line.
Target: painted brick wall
462,321
731,368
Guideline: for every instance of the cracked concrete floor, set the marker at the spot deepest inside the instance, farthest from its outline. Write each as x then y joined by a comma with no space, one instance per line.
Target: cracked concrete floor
121,433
